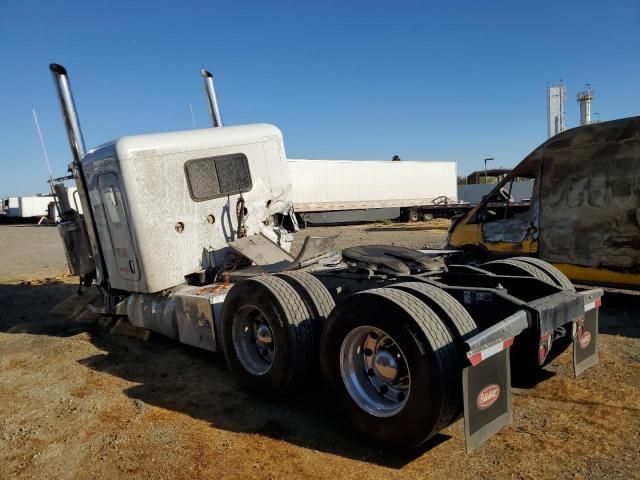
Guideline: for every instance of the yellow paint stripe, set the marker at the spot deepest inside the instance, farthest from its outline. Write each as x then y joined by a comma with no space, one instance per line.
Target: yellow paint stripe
599,276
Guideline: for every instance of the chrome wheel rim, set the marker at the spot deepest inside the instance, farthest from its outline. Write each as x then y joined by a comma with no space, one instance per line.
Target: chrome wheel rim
375,372
253,340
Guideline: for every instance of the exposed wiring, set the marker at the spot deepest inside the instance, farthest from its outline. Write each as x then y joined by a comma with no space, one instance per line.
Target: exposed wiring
241,213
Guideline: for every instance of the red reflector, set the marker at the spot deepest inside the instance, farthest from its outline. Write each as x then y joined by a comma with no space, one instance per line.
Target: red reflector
507,343
475,359
542,354
598,302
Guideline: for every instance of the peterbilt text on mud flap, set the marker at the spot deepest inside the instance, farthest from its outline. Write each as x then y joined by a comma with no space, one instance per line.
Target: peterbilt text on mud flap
187,234
583,215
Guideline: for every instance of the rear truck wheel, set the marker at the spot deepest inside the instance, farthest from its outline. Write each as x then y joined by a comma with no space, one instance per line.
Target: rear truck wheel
531,349
556,275
315,295
512,266
393,366
412,214
460,324
427,217
267,334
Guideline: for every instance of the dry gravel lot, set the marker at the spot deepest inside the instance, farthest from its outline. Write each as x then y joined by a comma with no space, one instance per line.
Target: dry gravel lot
86,397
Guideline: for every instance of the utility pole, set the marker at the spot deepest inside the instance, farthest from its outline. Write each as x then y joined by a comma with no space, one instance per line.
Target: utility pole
485,168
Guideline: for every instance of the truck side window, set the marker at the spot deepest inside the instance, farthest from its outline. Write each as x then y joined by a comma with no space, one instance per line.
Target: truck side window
111,202
215,177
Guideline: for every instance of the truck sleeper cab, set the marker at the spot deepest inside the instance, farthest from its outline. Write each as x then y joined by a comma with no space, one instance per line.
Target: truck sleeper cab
166,204
584,212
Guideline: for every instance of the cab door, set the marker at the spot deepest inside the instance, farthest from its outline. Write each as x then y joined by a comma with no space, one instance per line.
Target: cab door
124,254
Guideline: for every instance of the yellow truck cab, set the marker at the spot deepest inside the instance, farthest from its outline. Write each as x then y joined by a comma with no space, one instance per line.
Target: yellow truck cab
583,215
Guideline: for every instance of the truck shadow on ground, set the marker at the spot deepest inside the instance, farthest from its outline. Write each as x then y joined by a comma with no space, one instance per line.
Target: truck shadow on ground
407,228
198,383
620,314
195,382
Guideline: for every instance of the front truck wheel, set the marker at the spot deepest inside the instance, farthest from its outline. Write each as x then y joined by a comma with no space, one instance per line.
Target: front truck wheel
472,256
393,366
267,334
411,214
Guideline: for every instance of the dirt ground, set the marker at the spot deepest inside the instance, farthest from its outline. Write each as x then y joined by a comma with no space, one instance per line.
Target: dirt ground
96,398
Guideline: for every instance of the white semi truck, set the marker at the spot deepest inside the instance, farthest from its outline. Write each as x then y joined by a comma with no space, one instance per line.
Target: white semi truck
188,233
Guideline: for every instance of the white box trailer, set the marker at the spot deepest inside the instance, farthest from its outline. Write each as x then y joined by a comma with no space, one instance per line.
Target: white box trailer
74,203
336,191
34,206
12,207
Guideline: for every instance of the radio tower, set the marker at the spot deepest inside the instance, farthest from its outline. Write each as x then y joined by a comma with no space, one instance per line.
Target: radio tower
556,117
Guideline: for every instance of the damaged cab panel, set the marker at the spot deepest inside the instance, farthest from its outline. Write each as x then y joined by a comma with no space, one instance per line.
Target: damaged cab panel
583,214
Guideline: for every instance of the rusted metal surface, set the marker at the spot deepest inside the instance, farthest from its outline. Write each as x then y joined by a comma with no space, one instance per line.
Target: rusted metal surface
522,226
590,196
585,206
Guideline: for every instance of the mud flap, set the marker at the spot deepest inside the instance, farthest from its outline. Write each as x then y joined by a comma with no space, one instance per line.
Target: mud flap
585,335
487,398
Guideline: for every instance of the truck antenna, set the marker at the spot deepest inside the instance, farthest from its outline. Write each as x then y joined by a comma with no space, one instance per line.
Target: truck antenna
44,149
193,119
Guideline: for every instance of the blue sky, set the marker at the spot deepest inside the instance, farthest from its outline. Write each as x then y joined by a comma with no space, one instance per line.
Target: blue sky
448,80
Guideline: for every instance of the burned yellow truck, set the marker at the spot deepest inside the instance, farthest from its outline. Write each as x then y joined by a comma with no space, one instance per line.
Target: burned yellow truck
583,215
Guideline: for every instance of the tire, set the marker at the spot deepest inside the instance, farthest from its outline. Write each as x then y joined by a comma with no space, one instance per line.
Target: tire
474,257
448,309
512,266
315,295
427,355
270,299
556,275
451,312
426,217
412,214
524,353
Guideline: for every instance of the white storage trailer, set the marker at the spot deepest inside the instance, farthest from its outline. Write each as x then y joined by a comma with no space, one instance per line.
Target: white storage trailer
34,206
336,191
12,205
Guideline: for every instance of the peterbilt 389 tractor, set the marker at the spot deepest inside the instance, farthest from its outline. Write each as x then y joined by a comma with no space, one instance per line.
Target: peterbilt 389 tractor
188,234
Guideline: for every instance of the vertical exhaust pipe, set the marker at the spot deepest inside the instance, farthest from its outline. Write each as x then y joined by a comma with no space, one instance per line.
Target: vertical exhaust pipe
71,122
79,234
212,99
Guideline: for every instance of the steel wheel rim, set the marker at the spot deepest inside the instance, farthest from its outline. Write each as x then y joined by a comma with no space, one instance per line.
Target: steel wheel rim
253,340
375,372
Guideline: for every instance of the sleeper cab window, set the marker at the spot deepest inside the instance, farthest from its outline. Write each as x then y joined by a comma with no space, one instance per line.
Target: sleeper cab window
215,177
111,200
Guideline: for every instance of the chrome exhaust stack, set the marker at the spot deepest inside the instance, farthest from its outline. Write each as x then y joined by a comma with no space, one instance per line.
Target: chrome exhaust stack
212,99
71,122
80,239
